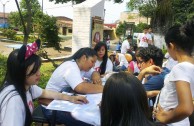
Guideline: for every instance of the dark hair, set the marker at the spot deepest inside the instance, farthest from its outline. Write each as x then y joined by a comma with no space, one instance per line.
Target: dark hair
88,52
124,102
129,37
105,57
152,52
182,36
16,76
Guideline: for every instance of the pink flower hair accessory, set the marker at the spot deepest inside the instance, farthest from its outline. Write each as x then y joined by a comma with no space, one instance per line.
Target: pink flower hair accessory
32,49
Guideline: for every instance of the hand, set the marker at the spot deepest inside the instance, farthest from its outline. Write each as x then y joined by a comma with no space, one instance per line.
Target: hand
96,78
97,81
152,70
160,114
78,99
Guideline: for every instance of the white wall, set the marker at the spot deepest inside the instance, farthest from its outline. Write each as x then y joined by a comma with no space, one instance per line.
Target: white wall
82,22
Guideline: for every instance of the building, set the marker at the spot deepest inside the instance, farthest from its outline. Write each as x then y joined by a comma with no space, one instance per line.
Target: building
65,25
133,17
110,30
2,19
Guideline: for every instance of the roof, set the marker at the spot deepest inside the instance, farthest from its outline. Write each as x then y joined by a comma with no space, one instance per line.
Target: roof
63,18
111,25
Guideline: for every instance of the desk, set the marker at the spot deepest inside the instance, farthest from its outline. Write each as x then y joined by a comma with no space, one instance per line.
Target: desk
88,113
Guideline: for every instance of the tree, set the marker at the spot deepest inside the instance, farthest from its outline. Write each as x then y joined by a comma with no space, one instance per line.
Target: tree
164,13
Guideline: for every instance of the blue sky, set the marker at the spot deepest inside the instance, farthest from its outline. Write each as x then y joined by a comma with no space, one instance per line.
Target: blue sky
112,12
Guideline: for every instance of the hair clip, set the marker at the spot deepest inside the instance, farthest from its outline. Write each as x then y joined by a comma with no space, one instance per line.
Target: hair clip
32,49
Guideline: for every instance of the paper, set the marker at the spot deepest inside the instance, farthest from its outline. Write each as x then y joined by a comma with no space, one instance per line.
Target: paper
89,113
61,105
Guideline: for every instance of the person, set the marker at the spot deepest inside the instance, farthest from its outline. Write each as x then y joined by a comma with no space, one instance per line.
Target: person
175,100
108,42
122,63
118,45
73,75
149,56
125,47
20,87
170,62
152,35
121,108
133,65
103,64
144,38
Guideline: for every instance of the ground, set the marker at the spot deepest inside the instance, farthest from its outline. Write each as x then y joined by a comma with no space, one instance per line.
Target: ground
52,53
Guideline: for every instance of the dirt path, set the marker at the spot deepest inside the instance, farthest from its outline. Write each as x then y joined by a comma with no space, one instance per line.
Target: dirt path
51,51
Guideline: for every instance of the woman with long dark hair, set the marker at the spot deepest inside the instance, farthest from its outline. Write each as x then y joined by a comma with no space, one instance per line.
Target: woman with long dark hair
103,64
124,102
20,87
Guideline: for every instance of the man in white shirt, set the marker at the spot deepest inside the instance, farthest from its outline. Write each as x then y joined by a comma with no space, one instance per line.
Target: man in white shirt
125,47
144,38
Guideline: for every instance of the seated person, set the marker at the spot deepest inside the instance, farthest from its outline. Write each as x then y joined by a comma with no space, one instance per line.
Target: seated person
103,64
121,108
19,88
70,75
148,57
133,65
123,63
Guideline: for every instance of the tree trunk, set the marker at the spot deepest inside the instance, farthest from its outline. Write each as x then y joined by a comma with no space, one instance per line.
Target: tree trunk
29,20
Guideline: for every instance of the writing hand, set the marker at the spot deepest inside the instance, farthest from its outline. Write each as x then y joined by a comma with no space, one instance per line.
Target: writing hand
78,99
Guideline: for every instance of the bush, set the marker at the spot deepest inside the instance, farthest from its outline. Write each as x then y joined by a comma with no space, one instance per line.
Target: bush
3,61
9,33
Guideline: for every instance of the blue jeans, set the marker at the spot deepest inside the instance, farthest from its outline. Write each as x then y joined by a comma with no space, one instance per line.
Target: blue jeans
63,118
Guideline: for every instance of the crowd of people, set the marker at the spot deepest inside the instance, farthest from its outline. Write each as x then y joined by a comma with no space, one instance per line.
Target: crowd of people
139,81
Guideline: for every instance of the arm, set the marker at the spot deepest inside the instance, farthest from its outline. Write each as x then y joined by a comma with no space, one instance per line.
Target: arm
152,93
60,96
88,88
184,108
149,70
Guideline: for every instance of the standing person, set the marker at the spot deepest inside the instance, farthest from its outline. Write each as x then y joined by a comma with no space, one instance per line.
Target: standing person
175,100
103,64
70,75
121,108
125,47
144,38
20,87
108,42
118,46
150,31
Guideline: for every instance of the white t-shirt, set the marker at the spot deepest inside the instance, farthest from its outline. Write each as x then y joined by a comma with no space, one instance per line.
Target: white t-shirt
143,38
67,74
109,65
12,112
168,96
122,60
125,46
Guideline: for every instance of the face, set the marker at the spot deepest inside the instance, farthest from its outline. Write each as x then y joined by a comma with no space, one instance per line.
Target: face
89,63
145,31
101,52
150,30
143,64
32,79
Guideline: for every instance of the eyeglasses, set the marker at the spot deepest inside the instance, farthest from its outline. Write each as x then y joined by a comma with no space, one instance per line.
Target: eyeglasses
140,62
